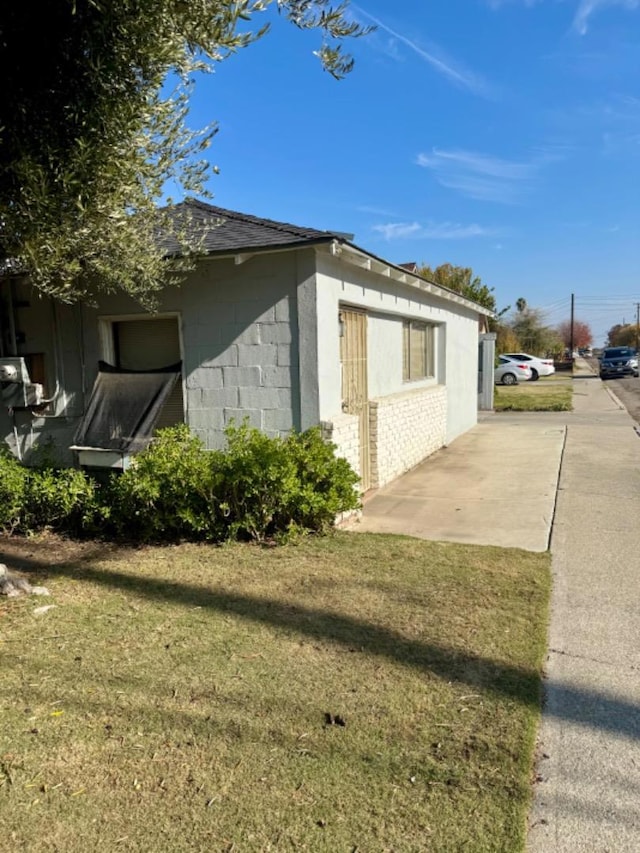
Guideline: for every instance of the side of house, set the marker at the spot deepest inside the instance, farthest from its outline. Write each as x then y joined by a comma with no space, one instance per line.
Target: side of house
286,334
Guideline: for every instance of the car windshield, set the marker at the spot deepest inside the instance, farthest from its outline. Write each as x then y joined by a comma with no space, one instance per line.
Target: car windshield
619,352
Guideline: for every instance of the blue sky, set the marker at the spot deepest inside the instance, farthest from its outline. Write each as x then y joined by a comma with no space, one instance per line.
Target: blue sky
503,135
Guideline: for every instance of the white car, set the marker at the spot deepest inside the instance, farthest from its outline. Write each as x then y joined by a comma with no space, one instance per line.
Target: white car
509,372
539,366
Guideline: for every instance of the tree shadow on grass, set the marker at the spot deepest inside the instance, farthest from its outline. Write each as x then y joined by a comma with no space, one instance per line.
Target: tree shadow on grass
585,707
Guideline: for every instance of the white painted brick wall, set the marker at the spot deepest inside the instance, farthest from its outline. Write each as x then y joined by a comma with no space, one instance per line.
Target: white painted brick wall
405,429
344,432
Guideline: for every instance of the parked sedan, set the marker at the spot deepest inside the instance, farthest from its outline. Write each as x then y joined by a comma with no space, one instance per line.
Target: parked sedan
618,361
510,372
539,366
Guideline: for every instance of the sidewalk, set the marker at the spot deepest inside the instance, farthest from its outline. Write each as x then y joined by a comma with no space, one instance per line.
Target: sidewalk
588,796
499,485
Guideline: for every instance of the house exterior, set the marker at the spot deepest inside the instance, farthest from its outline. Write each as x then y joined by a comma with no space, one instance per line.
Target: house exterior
288,327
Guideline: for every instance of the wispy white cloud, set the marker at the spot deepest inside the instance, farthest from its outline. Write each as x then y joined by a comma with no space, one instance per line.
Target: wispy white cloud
497,4
432,230
484,177
376,211
587,8
434,56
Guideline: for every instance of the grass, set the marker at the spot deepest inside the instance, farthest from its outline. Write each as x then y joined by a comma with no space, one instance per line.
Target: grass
549,394
176,698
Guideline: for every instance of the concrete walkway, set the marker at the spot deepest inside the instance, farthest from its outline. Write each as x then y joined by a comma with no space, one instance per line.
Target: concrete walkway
572,479
495,485
588,796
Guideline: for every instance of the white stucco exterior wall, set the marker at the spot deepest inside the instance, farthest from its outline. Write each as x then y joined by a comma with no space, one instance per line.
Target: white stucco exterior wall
408,420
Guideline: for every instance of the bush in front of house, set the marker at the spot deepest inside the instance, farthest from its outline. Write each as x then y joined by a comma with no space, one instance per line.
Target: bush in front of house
325,484
166,494
64,500
260,488
276,488
13,477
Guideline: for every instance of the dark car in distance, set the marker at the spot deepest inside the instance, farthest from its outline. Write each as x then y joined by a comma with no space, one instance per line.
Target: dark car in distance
618,361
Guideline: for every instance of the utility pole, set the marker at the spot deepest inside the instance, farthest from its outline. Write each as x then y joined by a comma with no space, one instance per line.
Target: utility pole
637,326
571,333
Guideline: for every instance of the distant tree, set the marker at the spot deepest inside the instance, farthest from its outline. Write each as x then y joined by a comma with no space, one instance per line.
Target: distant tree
622,335
463,281
91,132
535,337
582,335
506,339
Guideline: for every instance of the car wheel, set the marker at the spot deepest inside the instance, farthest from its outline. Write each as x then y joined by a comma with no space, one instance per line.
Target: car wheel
509,379
534,375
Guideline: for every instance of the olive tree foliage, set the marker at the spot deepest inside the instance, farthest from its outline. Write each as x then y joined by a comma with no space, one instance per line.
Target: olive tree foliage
89,135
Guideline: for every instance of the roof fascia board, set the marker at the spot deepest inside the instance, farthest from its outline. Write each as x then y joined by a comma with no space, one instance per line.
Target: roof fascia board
363,259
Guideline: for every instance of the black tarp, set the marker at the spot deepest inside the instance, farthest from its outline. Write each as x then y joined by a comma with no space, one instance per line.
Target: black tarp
124,408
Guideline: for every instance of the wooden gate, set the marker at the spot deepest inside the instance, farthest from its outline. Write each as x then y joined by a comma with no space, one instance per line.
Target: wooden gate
355,396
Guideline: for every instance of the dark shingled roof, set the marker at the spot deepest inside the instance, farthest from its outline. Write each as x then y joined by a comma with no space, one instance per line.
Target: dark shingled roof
229,231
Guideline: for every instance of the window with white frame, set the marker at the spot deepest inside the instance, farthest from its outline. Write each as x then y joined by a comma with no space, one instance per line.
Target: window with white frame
418,350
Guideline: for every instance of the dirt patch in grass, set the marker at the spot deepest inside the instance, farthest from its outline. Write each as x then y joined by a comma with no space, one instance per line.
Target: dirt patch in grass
192,698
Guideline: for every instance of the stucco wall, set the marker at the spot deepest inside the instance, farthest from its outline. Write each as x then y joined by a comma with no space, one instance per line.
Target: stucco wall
408,420
457,339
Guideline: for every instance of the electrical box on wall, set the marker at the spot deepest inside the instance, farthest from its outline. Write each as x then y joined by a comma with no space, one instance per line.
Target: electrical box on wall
14,369
17,391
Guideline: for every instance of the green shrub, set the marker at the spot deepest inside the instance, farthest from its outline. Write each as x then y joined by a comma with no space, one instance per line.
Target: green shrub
255,478
13,477
326,483
166,493
64,500
259,488
274,487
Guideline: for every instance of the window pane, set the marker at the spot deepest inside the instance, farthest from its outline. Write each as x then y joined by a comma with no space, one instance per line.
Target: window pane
405,350
417,351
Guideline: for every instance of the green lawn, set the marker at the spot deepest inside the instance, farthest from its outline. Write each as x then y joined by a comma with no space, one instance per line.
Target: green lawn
549,394
176,699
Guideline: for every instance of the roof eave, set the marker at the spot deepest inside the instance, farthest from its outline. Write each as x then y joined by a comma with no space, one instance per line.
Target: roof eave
365,260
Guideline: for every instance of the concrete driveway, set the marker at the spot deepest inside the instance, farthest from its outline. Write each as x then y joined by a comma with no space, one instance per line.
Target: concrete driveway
495,485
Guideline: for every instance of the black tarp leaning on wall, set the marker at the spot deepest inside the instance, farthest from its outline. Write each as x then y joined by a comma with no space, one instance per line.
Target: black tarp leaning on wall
124,407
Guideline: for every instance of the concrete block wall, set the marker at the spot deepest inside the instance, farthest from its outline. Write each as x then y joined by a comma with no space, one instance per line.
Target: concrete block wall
405,428
251,378
240,347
